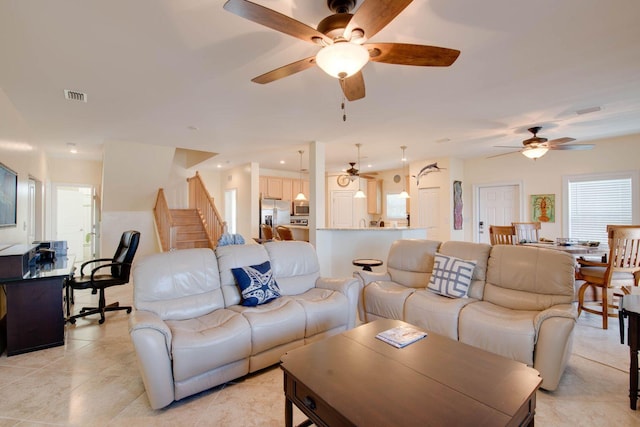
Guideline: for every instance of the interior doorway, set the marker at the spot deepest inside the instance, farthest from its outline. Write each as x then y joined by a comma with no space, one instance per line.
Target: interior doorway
496,205
74,219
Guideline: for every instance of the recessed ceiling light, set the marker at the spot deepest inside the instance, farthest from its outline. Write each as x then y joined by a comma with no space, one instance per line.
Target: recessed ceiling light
282,162
219,165
369,165
72,147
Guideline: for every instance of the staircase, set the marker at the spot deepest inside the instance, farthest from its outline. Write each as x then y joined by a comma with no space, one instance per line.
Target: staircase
200,226
190,232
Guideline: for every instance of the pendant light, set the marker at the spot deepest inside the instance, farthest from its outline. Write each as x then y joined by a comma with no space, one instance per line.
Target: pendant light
403,194
301,197
359,194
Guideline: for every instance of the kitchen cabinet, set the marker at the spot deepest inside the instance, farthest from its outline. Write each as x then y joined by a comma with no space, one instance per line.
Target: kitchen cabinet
287,189
274,187
374,196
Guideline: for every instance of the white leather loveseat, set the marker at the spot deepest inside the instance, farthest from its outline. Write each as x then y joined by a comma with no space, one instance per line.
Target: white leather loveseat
191,333
518,303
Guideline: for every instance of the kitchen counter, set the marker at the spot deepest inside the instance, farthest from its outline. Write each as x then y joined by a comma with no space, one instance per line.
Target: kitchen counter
299,232
338,247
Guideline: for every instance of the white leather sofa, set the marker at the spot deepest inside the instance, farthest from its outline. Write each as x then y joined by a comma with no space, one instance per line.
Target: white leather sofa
518,305
190,332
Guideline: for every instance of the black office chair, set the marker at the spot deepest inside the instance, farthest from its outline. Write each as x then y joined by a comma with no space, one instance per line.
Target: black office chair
119,267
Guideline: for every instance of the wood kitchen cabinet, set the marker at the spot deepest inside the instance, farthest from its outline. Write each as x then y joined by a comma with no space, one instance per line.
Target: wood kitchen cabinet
287,189
374,196
273,188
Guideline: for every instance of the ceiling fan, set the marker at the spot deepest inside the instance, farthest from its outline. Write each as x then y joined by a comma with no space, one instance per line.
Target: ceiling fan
352,173
342,38
536,146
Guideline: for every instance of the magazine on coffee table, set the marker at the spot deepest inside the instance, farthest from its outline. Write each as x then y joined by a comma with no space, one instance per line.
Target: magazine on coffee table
401,336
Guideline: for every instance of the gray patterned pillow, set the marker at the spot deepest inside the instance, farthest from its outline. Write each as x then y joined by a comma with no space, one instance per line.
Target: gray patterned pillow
451,276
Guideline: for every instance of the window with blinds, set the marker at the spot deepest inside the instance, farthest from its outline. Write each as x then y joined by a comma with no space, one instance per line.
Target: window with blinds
593,203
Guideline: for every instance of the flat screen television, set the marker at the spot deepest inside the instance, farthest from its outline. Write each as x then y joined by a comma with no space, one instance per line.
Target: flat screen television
8,196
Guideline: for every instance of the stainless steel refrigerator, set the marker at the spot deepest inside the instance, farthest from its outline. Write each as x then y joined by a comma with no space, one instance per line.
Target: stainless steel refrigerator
274,212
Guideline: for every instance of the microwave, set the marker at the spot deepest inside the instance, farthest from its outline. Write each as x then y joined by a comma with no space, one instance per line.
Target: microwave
301,208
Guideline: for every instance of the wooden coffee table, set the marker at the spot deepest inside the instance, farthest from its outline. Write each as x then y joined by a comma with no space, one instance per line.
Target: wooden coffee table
354,379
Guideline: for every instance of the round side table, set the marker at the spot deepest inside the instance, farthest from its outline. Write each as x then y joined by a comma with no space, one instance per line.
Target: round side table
366,263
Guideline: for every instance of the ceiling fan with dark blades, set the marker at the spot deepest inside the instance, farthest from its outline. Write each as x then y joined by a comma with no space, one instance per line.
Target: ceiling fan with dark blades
536,146
342,38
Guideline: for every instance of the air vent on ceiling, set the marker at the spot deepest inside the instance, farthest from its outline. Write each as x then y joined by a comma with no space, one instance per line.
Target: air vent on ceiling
74,95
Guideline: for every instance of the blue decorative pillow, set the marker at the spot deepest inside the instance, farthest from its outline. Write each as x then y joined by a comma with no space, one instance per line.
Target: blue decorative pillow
451,276
256,284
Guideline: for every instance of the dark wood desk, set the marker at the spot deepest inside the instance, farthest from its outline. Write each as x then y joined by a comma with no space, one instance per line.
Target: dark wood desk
630,307
32,313
354,379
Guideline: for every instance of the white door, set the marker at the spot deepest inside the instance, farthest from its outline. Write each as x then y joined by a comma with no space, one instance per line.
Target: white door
341,208
73,208
497,205
429,211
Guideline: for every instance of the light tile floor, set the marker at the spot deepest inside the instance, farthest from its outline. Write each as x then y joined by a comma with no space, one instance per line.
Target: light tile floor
93,380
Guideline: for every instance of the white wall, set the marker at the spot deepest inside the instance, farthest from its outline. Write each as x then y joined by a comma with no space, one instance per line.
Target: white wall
544,176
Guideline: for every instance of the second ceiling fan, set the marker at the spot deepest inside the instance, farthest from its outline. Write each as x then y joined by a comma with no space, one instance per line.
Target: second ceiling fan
342,38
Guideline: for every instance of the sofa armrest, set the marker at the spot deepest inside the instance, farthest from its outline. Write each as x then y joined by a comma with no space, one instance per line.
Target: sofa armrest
151,339
366,277
567,311
347,286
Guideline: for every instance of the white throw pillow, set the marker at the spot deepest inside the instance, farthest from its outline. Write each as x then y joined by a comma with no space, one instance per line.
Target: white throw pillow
451,276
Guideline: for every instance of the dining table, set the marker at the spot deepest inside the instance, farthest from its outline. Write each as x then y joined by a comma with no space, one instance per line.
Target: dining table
575,249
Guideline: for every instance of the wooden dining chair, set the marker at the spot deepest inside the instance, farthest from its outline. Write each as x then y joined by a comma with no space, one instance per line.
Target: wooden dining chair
619,274
267,232
284,233
527,232
502,234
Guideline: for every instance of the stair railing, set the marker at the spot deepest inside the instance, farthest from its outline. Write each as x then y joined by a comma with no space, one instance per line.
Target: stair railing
200,200
164,221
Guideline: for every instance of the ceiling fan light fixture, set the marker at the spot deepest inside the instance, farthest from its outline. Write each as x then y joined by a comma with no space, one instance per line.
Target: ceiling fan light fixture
535,152
342,59
359,195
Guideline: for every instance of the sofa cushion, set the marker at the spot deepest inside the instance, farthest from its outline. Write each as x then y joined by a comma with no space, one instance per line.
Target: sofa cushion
410,261
280,321
180,284
434,312
451,276
385,299
527,278
499,330
256,283
324,309
295,265
234,256
470,250
222,333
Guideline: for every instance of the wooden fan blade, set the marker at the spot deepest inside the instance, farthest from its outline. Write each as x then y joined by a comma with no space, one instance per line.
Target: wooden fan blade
412,54
353,87
374,15
560,141
274,20
502,154
286,70
572,147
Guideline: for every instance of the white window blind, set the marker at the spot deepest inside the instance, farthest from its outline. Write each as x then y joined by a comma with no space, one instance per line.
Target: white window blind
595,203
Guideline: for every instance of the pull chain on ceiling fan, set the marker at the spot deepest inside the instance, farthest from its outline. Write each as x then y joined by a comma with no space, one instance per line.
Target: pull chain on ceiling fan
342,38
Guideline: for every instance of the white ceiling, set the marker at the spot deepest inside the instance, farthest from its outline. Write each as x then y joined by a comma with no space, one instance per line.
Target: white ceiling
178,73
